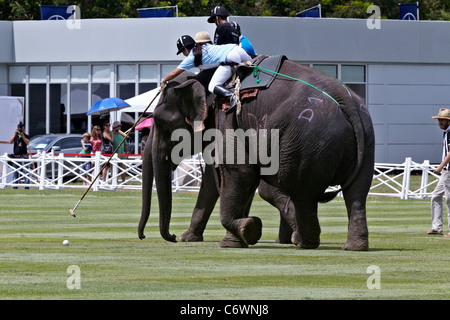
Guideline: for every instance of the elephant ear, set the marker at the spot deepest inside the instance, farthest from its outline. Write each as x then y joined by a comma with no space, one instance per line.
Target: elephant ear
194,97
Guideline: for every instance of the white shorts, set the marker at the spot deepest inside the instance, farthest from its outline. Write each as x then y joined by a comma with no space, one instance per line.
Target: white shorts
223,72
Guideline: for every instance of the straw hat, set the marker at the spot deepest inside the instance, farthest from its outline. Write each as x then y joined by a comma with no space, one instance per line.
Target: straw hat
443,114
202,37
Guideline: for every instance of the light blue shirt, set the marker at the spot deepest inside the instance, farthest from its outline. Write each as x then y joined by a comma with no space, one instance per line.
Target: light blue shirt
212,56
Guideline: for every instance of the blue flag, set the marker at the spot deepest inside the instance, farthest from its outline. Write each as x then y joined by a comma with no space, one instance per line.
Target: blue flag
313,12
163,13
55,12
409,11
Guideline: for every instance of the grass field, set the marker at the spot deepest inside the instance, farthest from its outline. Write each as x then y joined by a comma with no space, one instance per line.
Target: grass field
115,264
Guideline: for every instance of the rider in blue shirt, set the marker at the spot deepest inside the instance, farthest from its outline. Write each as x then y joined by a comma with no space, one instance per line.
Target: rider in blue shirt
205,55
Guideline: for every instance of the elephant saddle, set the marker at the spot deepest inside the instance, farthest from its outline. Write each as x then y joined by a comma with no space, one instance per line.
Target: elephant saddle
249,79
261,77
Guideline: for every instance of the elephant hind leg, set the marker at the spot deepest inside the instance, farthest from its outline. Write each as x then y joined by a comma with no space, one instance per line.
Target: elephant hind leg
358,234
355,197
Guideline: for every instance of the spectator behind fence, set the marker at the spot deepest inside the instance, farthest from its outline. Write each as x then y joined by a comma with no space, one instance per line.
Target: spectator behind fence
86,148
107,146
96,139
20,150
117,139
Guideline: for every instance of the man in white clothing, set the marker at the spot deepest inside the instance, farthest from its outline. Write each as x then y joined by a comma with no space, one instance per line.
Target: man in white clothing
443,186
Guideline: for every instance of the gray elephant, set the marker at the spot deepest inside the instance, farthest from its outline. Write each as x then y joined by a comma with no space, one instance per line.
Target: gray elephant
325,137
207,198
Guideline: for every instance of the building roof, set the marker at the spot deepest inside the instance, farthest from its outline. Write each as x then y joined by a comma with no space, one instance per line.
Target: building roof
300,39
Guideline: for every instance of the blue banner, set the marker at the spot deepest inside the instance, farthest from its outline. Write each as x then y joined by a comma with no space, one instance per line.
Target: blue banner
162,13
54,12
313,12
409,11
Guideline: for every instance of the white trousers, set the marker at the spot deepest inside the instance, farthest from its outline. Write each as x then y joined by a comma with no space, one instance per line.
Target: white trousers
442,188
223,73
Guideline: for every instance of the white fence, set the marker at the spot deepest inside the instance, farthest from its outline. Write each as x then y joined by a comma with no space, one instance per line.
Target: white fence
70,172
409,180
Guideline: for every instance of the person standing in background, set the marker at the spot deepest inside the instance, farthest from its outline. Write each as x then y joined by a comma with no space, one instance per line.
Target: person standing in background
443,186
96,139
117,140
20,150
107,146
86,149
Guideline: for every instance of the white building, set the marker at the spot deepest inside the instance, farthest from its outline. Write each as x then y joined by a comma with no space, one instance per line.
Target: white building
401,69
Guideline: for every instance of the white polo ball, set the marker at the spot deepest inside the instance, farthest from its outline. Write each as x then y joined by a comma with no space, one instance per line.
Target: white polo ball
66,242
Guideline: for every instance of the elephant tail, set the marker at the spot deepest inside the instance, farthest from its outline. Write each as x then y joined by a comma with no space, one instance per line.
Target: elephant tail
351,111
329,195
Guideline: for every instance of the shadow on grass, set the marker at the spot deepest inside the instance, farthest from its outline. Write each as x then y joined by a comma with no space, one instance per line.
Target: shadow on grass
326,246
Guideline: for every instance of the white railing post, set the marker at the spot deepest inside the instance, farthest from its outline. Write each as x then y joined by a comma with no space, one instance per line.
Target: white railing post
424,181
52,156
4,172
176,176
114,171
96,170
406,177
43,169
60,170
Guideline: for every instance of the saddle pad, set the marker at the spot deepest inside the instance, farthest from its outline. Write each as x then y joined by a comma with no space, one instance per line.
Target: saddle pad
272,63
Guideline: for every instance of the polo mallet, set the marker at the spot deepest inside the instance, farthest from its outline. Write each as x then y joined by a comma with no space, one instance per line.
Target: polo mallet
72,211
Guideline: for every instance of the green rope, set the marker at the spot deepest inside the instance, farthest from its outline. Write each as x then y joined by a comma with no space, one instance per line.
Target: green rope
256,75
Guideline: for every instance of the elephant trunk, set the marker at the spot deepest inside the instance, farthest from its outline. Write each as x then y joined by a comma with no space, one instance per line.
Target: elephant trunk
163,177
147,183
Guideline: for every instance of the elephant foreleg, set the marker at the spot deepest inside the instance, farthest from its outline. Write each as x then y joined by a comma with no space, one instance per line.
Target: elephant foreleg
308,228
206,201
237,191
286,208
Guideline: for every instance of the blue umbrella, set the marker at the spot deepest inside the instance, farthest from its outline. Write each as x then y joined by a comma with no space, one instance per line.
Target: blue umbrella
107,105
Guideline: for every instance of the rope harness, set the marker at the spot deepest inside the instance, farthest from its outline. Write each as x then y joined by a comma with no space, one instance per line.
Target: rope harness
257,69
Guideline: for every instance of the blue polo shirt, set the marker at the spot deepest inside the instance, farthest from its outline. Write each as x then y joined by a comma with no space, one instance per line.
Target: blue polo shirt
212,56
247,46
445,146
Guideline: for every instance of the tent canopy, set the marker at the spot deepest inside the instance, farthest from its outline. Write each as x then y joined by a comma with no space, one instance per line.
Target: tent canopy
140,102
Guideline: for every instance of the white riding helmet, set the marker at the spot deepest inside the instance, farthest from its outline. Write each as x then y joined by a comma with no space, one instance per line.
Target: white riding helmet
202,37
